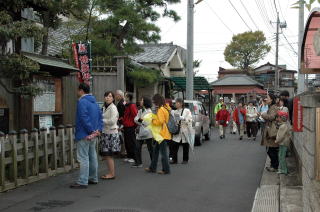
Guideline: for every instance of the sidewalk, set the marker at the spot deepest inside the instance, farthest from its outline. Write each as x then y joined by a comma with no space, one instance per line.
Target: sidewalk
279,192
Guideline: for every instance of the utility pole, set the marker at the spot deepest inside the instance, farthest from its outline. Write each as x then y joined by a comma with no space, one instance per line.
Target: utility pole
189,80
276,71
301,77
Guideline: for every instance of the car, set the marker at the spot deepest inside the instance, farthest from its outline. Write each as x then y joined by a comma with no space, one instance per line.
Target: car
201,120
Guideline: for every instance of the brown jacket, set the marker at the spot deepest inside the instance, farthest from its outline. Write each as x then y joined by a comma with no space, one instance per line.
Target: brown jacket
269,117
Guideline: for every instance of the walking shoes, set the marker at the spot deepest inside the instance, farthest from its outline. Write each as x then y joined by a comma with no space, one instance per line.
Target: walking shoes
78,186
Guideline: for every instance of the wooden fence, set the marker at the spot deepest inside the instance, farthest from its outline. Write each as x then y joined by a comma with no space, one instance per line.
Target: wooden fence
26,158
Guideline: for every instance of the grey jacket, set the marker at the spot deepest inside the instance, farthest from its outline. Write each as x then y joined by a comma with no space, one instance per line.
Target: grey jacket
284,134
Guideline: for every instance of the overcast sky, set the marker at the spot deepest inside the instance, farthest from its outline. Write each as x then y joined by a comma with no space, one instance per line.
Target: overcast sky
215,22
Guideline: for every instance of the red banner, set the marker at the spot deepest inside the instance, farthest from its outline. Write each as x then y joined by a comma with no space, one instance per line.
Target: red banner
297,115
82,60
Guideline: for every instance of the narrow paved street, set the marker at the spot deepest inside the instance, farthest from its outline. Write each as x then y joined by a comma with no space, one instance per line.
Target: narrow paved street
222,176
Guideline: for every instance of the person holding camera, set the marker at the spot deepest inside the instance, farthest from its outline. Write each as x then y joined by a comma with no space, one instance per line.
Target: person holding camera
183,118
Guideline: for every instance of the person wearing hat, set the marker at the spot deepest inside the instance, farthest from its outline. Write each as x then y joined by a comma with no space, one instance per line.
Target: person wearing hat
233,125
283,139
219,105
222,119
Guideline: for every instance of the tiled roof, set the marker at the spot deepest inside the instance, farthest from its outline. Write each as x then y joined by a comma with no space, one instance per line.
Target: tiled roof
59,37
235,80
155,53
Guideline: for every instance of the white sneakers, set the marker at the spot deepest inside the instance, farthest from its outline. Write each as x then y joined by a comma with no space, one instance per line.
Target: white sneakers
128,160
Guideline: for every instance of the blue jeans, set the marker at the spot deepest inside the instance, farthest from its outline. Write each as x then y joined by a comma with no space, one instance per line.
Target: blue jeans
87,157
162,148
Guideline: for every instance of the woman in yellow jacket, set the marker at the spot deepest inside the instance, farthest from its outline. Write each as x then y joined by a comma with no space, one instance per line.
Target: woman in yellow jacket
161,119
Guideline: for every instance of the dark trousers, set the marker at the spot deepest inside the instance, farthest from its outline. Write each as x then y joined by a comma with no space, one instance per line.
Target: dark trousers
171,148
176,146
130,141
252,129
162,148
274,156
138,148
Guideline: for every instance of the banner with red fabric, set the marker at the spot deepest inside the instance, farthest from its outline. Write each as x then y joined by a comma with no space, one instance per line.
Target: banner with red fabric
297,115
81,54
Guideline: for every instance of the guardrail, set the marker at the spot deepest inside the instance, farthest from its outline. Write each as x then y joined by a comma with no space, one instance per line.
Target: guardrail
26,158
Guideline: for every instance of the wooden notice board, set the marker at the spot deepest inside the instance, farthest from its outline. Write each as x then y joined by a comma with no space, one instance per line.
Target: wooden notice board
317,156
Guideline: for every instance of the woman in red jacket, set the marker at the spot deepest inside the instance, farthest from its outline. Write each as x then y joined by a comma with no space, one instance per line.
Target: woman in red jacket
222,119
129,127
239,116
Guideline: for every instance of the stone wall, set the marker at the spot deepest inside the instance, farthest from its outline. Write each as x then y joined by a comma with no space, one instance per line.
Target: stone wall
305,146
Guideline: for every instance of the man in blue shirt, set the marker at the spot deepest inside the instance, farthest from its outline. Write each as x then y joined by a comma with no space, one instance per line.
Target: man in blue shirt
88,126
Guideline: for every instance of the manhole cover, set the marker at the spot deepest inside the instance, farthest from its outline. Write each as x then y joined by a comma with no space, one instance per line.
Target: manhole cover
117,210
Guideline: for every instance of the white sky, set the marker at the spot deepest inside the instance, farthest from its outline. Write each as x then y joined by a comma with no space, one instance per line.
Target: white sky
211,36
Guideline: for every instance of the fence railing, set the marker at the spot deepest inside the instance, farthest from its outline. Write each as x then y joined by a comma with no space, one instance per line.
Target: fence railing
26,158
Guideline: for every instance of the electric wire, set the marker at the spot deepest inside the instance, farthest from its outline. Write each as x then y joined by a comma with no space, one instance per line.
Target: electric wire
249,14
281,10
214,12
240,15
289,43
263,17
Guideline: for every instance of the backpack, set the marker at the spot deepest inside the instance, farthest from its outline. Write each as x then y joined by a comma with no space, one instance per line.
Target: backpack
173,127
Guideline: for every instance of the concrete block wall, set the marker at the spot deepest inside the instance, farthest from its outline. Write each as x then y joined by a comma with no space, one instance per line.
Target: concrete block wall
304,143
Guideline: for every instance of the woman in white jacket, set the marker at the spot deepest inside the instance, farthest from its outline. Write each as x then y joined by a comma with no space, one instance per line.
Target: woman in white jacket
143,134
110,142
184,117
251,121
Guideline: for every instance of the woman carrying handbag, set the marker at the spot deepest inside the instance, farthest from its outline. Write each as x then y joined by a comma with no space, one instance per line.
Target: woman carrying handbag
143,134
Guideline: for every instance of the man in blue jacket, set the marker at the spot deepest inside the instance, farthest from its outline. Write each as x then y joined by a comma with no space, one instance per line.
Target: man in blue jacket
88,127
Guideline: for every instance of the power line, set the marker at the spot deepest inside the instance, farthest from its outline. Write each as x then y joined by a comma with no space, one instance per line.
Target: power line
249,14
239,15
281,10
289,43
214,12
267,24
274,13
263,7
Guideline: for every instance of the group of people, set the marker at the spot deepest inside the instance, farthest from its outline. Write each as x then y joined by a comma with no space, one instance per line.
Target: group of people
272,115
122,127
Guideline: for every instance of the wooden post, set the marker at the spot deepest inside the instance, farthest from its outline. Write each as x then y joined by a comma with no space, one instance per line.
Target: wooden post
44,138
25,141
53,138
35,136
2,157
71,146
120,73
63,144
13,141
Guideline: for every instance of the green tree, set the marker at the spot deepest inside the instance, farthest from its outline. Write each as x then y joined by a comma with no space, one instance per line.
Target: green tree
14,66
124,25
246,49
308,4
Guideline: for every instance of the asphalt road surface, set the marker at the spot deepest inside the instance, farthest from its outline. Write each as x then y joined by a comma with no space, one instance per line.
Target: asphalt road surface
222,176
